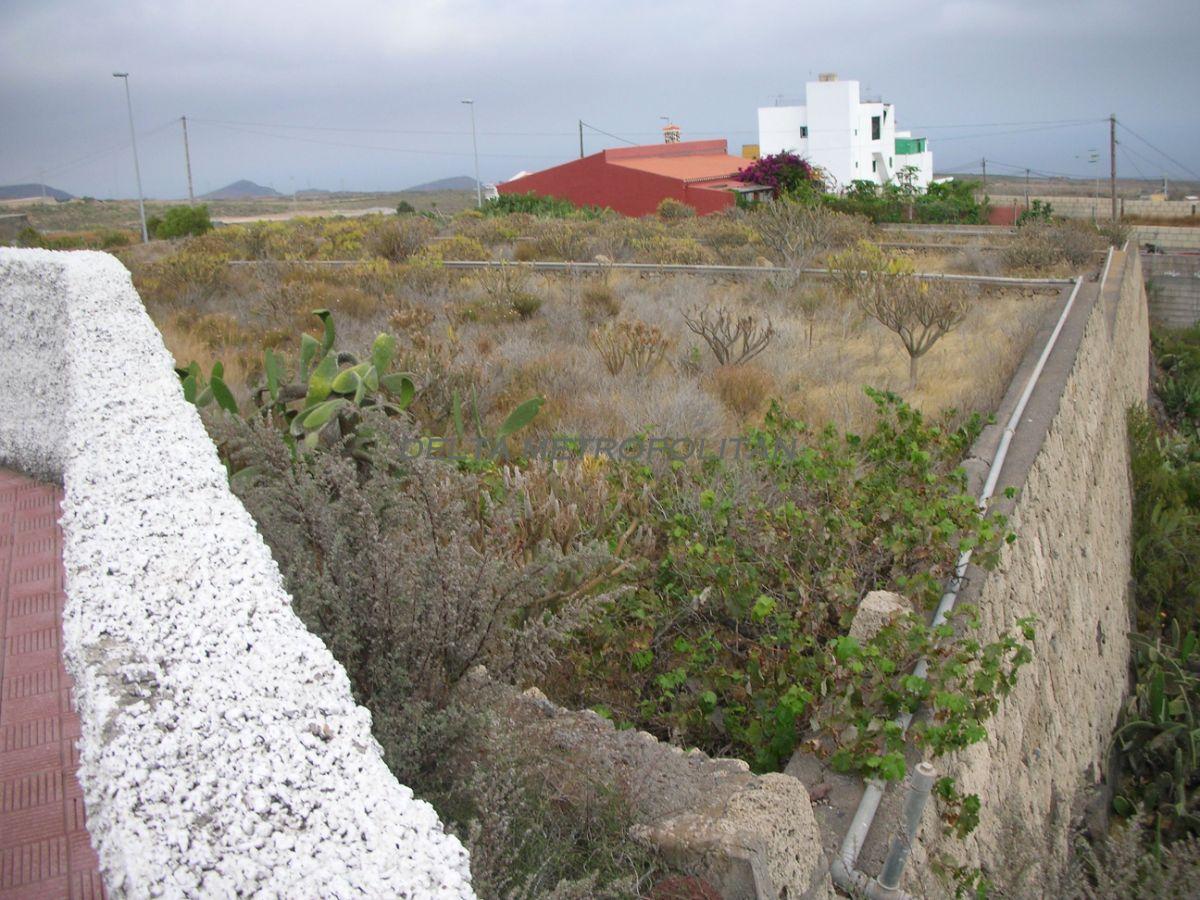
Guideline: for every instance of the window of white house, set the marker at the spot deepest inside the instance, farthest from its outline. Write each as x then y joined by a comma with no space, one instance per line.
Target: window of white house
875,128
803,131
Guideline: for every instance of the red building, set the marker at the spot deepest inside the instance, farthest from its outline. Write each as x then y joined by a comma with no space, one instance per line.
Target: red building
634,180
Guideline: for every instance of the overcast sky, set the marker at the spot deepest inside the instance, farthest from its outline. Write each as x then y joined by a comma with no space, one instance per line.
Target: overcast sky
378,83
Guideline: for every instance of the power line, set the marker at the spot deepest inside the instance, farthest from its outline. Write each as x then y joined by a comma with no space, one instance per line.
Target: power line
1161,153
96,154
404,131
1129,158
1011,124
991,134
307,140
615,137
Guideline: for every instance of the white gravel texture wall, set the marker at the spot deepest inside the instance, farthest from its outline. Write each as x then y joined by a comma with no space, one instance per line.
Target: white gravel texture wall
222,753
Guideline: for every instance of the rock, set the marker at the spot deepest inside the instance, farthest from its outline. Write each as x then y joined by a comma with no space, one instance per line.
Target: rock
878,608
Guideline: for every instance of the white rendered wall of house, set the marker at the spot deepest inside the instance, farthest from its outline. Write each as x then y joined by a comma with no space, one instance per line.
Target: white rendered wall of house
922,162
833,118
779,130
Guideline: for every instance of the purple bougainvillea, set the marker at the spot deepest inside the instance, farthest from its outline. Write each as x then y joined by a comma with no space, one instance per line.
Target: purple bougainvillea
785,174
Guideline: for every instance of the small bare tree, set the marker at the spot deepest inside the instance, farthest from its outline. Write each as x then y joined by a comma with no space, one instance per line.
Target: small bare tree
920,311
732,341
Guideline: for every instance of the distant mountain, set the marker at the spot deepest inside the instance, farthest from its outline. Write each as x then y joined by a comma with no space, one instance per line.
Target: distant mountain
241,190
459,183
31,192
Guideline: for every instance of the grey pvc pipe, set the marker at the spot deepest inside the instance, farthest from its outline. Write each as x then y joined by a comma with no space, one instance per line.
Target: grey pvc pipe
920,784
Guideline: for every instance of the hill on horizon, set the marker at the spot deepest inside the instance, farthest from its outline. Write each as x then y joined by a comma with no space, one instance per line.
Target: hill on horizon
457,183
32,192
241,190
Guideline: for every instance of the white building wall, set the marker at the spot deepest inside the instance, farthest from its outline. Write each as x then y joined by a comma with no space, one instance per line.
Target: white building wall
839,135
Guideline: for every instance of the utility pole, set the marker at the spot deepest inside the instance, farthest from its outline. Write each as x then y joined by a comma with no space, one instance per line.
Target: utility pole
137,169
187,158
475,151
985,174
581,138
1112,159
1027,189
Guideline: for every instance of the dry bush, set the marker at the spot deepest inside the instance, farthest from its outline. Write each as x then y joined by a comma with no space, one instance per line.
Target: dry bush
525,251
798,234
561,240
489,231
919,311
640,345
618,238
733,340
1041,245
680,251
1123,864
599,301
456,248
508,285
410,319
672,210
743,389
401,238
975,260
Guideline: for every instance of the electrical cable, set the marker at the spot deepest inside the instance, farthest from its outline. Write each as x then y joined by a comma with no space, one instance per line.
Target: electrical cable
1161,153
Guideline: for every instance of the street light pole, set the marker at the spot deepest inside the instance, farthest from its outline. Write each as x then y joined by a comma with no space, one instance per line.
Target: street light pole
475,152
137,169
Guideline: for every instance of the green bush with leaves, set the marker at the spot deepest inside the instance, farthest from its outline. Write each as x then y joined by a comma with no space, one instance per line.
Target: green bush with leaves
540,205
735,638
182,221
1158,740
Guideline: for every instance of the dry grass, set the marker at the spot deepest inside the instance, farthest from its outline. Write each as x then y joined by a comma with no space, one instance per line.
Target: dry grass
455,338
502,336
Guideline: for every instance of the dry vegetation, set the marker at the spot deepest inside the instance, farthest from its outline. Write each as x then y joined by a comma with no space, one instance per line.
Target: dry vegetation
654,593
613,352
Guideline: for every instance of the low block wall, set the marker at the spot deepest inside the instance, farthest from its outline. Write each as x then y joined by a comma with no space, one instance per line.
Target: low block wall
222,753
1101,207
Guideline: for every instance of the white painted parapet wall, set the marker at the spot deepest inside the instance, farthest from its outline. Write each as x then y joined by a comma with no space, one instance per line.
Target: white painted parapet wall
222,753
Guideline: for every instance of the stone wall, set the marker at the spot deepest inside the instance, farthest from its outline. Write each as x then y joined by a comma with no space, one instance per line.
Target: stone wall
1070,568
222,753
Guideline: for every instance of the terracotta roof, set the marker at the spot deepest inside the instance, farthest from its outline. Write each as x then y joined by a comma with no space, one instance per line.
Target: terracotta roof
690,167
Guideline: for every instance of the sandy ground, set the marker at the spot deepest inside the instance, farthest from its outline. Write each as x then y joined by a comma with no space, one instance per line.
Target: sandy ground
301,213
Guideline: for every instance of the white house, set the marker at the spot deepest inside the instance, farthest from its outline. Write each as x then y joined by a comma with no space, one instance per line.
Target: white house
851,139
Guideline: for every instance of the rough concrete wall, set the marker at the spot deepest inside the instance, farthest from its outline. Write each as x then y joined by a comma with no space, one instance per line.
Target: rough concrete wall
222,752
749,836
1070,568
1173,286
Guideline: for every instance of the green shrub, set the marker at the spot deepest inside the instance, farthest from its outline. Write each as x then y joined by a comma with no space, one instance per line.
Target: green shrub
538,205
1039,212
182,221
526,304
735,639
404,208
